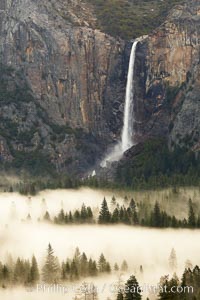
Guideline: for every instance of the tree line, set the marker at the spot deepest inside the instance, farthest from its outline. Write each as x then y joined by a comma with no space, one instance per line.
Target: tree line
131,214
26,272
186,288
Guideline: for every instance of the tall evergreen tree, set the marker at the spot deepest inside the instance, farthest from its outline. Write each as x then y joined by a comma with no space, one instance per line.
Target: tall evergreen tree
116,267
156,216
124,266
84,215
191,215
173,260
83,265
92,267
104,215
34,272
51,270
120,295
102,264
132,289
115,216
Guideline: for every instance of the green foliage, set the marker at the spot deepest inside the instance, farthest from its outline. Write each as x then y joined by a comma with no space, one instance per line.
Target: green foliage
34,162
132,18
132,290
85,215
156,166
13,91
104,215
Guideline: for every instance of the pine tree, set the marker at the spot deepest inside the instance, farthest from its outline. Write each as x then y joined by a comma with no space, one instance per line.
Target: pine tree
188,264
132,204
83,265
166,287
77,216
116,267
83,213
70,217
74,273
61,217
19,271
132,289
156,216
5,273
120,295
92,267
34,272
89,214
104,215
198,222
124,266
173,260
113,201
102,264
51,270
191,215
115,216
47,216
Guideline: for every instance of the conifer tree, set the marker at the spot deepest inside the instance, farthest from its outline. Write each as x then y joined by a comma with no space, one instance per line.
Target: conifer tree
83,265
173,260
51,270
77,216
74,272
132,289
92,268
132,204
120,295
115,216
116,267
5,273
113,201
104,215
191,215
166,288
70,217
89,214
19,271
156,216
124,266
34,272
61,217
47,216
102,264
83,213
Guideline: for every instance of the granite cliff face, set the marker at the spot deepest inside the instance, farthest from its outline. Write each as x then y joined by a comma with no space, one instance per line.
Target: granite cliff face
62,82
167,75
72,78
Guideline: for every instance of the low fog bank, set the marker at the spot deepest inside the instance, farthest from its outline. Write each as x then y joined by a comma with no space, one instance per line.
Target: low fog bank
149,248
15,206
139,246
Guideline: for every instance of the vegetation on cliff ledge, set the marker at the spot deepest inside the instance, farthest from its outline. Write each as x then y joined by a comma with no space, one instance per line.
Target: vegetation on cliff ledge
156,166
131,18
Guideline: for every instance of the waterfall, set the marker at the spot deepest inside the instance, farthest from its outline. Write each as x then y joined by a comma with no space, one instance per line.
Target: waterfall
127,138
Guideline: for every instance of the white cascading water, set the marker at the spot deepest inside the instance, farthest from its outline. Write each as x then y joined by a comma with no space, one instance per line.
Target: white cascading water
127,137
127,133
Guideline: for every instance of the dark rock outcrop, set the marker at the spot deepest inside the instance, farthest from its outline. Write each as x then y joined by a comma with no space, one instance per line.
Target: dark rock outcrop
74,74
